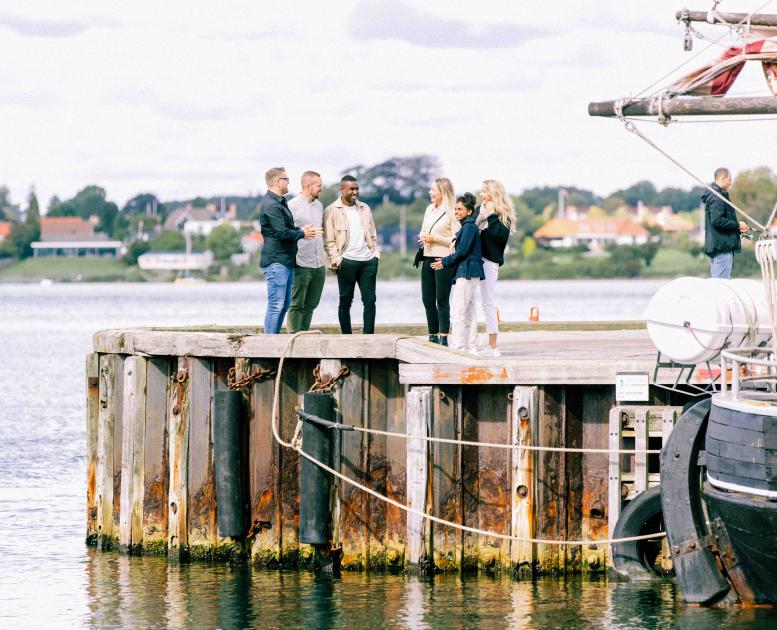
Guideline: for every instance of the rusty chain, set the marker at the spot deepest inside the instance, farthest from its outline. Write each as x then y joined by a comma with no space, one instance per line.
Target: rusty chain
259,374
320,387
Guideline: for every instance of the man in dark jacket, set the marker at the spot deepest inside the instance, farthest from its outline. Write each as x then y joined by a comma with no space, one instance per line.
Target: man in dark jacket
279,251
721,228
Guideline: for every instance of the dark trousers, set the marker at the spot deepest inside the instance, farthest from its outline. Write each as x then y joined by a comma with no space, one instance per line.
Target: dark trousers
364,273
436,293
305,296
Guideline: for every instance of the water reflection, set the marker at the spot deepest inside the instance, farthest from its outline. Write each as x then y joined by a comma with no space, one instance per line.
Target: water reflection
49,579
154,593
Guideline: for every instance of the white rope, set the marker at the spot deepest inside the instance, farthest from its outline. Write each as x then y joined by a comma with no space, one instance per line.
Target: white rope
406,508
765,255
515,447
630,126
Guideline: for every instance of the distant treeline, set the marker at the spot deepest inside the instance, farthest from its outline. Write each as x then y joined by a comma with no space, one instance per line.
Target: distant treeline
396,189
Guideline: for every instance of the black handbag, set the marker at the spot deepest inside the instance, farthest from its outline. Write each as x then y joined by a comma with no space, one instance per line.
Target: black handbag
419,255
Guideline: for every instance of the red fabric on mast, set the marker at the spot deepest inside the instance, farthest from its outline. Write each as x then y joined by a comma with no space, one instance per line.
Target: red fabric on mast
716,78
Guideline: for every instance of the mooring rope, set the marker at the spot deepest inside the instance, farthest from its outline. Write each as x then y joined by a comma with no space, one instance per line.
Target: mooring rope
514,447
441,521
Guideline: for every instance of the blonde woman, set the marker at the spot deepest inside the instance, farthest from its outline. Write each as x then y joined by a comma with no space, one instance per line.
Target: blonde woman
496,222
437,232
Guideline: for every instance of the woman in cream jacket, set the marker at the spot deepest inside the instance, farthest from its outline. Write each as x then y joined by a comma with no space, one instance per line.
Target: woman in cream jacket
437,232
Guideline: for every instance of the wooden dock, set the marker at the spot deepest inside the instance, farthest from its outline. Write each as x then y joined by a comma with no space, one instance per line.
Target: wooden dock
151,476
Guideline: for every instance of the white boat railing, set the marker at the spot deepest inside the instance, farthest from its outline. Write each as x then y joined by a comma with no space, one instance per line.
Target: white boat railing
753,366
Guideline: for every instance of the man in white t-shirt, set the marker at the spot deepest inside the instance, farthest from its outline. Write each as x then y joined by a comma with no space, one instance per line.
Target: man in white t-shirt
310,265
351,242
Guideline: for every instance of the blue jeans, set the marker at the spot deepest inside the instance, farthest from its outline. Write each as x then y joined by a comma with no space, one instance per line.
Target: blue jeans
720,265
279,282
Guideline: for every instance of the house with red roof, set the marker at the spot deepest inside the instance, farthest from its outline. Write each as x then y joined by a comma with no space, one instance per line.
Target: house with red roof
592,232
72,236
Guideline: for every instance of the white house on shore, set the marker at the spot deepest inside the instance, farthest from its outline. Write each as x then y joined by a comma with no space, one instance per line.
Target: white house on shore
197,221
71,237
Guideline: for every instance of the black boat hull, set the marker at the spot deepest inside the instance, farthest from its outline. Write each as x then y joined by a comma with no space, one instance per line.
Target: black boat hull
751,524
740,493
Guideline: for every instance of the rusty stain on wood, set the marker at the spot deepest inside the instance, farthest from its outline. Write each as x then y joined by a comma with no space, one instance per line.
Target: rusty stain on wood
396,474
92,431
573,472
472,375
118,432
156,479
108,426
178,457
377,464
494,497
470,478
353,504
446,479
201,482
491,489
597,402
550,479
291,386
133,447
264,463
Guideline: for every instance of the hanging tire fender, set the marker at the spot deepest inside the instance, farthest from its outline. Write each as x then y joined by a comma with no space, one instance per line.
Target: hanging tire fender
627,559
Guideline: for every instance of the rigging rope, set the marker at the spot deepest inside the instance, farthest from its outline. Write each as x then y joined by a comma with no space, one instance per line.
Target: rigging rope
703,50
296,446
630,126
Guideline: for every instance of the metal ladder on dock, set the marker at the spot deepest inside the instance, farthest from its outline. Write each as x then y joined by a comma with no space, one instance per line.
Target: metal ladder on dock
642,428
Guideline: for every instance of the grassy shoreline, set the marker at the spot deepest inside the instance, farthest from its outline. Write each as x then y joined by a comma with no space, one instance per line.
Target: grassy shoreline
668,263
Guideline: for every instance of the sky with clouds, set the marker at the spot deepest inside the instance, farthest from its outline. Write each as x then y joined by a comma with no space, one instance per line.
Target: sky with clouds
183,99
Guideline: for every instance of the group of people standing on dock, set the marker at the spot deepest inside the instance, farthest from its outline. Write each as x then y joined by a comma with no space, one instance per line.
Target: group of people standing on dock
461,248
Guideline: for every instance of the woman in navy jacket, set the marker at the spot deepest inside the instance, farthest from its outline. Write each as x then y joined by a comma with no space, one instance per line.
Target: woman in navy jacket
467,262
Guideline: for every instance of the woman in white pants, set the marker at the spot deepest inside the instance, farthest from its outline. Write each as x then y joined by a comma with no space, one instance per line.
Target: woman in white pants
496,222
467,264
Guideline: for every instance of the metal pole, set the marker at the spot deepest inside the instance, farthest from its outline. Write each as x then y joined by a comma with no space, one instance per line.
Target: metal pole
756,19
701,106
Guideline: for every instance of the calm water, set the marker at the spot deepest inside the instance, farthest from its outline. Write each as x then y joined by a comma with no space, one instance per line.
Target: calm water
48,578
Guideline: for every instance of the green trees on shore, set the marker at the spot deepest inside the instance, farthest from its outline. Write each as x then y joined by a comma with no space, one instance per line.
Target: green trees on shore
396,189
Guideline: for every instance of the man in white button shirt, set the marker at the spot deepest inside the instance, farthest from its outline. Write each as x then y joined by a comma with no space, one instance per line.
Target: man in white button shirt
310,266
351,242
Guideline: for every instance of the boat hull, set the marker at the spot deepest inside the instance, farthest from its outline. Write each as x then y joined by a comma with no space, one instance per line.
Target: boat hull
741,493
751,525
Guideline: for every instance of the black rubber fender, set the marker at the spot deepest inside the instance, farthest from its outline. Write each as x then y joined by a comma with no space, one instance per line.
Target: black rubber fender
629,558
694,563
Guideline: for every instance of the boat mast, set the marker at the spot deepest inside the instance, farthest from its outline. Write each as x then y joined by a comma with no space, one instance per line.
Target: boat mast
665,106
757,19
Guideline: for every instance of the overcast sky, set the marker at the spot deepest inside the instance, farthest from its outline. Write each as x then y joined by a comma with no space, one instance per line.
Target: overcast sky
189,98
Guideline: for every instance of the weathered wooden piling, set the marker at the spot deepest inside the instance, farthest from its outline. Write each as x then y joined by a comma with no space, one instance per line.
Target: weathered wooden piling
151,486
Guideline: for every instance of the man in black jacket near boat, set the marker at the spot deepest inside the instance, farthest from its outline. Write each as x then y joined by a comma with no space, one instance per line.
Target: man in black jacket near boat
721,228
